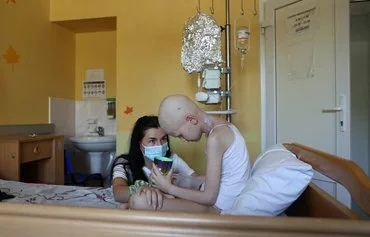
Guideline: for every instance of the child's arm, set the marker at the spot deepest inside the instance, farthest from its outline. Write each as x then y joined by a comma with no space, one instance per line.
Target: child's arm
189,181
217,144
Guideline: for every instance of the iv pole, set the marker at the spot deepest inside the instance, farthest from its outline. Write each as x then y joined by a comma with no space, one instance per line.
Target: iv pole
228,62
227,69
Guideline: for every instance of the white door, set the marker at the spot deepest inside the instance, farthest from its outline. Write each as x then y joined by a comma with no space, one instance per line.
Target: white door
306,78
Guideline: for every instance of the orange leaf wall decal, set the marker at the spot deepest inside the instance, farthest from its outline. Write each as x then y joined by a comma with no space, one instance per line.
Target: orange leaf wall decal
129,110
11,1
11,56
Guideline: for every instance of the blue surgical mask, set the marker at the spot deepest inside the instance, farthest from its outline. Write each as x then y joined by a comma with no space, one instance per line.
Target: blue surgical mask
151,152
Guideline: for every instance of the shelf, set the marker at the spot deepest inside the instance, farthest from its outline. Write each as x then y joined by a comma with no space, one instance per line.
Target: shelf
221,112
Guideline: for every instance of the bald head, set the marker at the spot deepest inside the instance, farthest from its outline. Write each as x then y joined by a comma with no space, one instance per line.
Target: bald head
173,110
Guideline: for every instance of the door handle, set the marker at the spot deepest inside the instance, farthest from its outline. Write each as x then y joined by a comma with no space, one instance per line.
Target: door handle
36,150
332,110
342,109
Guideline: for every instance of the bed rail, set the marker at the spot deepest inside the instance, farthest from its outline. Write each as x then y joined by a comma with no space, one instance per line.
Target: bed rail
45,221
344,171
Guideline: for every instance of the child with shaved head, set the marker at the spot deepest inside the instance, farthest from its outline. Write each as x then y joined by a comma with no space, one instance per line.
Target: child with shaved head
227,166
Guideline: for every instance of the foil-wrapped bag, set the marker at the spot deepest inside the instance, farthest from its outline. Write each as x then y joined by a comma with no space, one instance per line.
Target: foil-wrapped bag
201,43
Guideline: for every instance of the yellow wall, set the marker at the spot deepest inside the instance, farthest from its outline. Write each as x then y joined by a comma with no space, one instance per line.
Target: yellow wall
149,68
71,9
46,62
96,50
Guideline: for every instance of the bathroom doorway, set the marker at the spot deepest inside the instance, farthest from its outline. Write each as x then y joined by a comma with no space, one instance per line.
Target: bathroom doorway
360,83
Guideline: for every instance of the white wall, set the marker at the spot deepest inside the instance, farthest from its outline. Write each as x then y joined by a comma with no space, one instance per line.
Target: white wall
360,55
62,115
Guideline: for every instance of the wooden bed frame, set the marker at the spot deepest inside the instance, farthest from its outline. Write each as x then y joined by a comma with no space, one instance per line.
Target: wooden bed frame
315,213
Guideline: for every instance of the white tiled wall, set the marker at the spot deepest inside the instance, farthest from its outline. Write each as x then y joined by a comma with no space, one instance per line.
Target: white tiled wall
71,117
62,115
97,110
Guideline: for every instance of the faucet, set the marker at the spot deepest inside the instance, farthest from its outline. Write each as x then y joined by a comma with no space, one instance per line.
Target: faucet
100,131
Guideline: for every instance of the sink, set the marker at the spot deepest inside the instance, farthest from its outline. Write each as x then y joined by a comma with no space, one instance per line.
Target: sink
94,143
94,148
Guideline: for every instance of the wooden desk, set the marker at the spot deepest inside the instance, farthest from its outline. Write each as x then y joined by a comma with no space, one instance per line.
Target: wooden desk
32,159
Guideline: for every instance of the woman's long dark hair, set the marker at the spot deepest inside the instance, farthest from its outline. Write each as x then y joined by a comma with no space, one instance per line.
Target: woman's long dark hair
135,157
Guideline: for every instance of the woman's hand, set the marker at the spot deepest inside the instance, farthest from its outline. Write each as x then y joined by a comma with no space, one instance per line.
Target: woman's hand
154,197
161,182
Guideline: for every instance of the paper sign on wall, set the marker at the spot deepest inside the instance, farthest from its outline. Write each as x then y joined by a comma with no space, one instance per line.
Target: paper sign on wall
94,75
301,61
301,21
300,39
94,84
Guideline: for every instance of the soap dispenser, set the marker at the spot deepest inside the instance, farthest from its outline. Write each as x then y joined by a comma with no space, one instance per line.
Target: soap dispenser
111,110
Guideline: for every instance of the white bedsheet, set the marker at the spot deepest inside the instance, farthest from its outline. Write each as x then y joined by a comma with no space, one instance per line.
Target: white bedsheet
58,194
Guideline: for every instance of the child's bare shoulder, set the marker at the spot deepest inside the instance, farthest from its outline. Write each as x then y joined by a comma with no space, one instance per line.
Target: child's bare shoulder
222,135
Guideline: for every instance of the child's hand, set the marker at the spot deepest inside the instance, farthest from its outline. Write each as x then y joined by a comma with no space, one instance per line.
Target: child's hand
169,196
174,178
124,206
162,182
154,197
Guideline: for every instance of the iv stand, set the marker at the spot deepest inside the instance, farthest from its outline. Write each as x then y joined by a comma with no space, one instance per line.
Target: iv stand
227,69
228,61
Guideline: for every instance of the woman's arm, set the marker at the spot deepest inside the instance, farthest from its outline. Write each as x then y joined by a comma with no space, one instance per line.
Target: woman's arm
184,176
181,167
189,181
121,191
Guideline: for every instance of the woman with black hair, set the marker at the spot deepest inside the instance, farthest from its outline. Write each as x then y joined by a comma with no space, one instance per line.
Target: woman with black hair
130,172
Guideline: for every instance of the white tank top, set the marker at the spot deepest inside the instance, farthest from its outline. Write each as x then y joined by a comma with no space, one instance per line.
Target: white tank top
235,170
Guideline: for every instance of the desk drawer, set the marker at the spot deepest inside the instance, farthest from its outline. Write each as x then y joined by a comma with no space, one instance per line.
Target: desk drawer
32,151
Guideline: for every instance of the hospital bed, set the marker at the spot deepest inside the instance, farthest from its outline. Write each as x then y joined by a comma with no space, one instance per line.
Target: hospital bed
315,213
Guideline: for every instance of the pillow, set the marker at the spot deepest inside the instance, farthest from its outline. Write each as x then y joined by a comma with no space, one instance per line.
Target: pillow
277,179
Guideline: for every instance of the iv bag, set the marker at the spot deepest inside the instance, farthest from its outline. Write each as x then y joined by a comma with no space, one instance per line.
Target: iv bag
242,39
